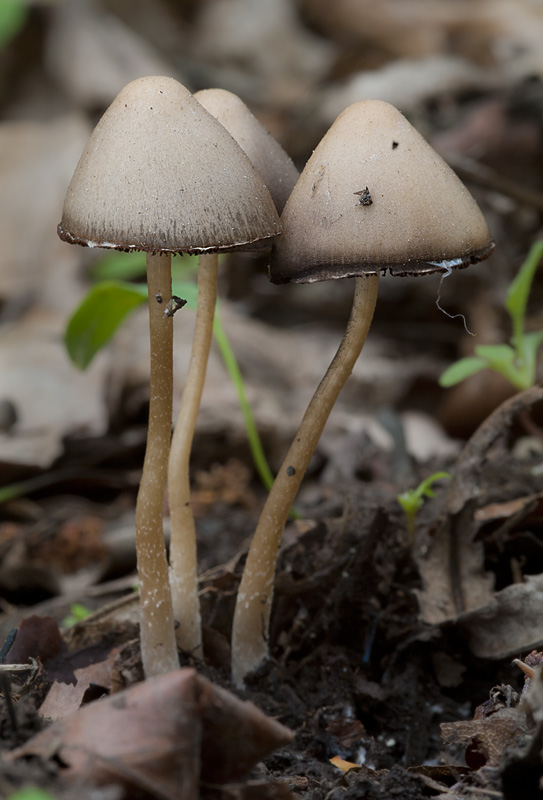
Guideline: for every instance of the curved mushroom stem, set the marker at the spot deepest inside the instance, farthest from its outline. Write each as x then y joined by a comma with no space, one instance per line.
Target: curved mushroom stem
183,569
158,647
253,604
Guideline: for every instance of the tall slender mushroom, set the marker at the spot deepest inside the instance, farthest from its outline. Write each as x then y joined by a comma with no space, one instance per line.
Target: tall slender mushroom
279,174
157,175
373,196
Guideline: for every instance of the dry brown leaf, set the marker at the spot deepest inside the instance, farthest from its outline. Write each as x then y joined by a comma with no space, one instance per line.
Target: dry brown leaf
344,766
36,637
406,83
495,511
36,164
235,734
247,31
487,740
92,54
454,579
65,698
509,624
52,398
147,736
166,733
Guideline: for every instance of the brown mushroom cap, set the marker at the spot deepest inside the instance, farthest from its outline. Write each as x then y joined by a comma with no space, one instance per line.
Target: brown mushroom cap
267,156
374,196
161,174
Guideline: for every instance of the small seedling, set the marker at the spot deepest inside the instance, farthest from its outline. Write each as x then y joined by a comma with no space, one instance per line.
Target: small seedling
30,793
412,500
78,612
517,360
13,15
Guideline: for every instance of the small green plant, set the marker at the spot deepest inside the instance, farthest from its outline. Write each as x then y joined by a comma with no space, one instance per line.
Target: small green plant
412,500
13,15
517,360
114,296
78,612
30,793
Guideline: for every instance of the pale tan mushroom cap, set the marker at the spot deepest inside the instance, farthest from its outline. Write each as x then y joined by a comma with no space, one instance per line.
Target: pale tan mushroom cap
267,156
160,174
374,196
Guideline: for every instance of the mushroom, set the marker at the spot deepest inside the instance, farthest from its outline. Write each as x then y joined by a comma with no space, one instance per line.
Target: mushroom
270,160
279,174
161,175
183,566
374,196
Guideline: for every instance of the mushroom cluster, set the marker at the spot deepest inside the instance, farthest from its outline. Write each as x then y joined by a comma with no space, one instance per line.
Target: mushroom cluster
167,172
161,175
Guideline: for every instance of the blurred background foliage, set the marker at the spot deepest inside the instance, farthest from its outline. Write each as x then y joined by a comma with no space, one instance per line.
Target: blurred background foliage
467,73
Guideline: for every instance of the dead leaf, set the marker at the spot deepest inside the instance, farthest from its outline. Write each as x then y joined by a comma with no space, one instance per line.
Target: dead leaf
36,163
147,736
454,579
344,766
247,29
510,623
37,637
235,734
495,511
64,699
487,740
33,362
82,34
406,83
164,733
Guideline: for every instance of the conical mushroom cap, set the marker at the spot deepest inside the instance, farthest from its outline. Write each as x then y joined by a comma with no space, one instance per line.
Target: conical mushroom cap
275,167
160,174
374,196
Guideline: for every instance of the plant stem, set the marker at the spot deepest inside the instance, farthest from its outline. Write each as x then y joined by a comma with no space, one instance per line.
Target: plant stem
183,560
234,372
158,647
517,296
253,605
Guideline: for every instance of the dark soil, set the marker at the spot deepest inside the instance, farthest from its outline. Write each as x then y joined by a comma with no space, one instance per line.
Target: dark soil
354,671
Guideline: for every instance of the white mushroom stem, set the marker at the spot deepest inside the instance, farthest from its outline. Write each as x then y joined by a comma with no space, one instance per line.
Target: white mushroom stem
183,561
255,593
158,647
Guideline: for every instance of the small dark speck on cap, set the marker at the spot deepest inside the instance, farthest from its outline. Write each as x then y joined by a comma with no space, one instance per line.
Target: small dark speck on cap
395,145
291,471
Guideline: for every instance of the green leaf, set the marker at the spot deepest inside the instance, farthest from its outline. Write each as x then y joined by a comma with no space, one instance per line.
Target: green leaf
13,14
496,354
508,362
98,316
188,291
117,265
120,266
461,370
412,500
78,612
183,266
424,488
529,345
30,792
